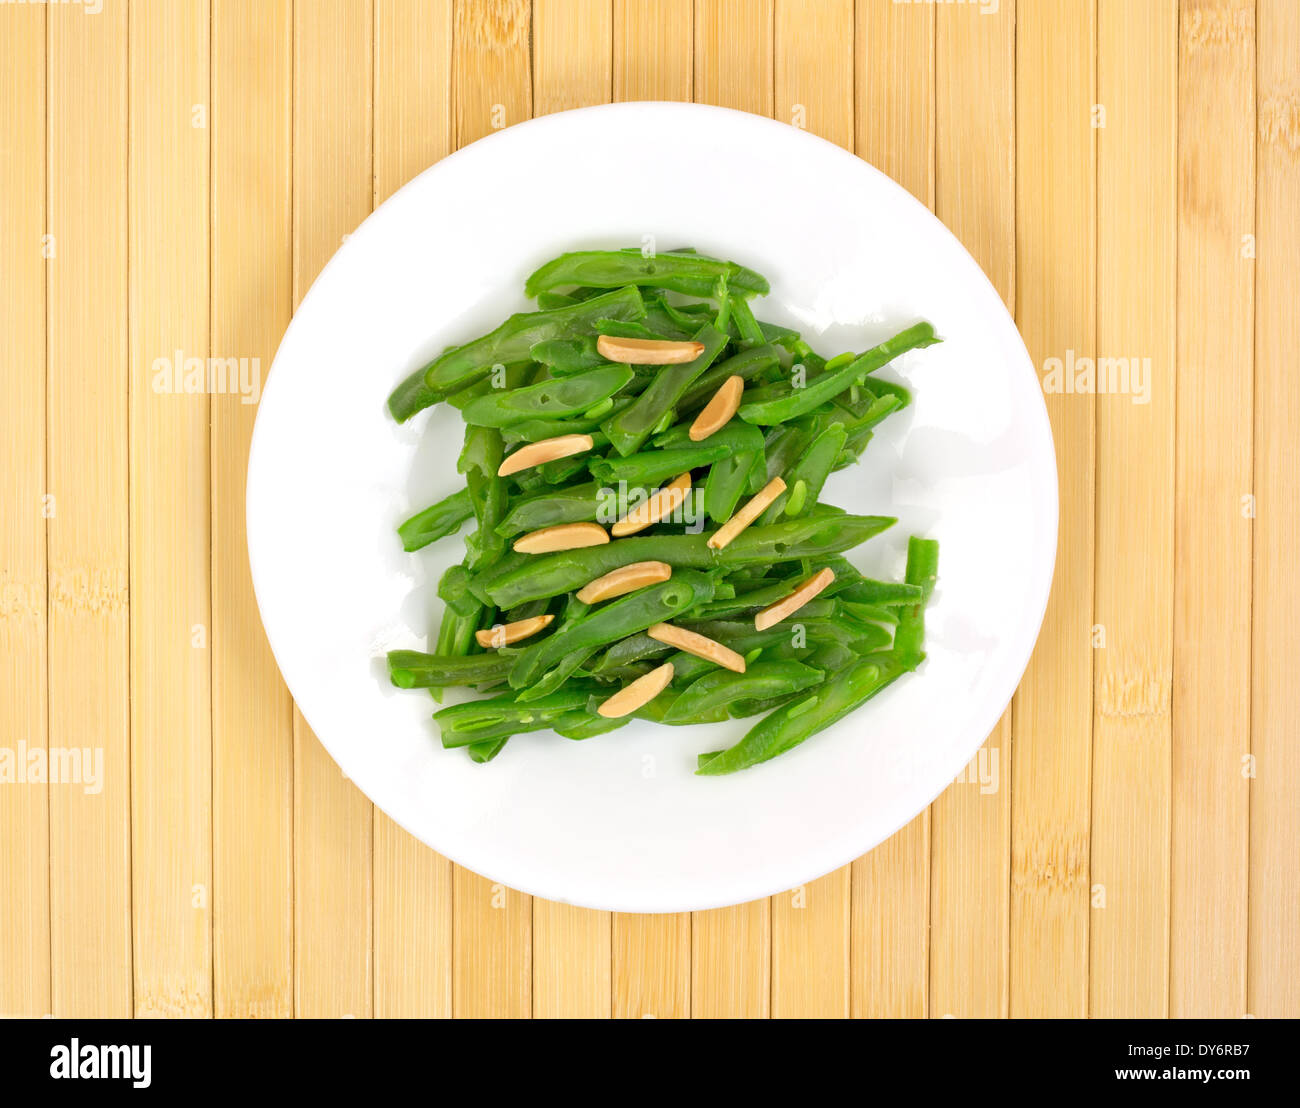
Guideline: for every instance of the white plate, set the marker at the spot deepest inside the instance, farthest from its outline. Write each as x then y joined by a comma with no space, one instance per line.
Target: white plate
620,821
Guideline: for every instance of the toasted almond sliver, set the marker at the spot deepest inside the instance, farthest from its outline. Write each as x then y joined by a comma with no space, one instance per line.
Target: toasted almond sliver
756,506
662,503
535,453
639,693
624,579
775,613
699,645
719,410
503,634
647,351
563,536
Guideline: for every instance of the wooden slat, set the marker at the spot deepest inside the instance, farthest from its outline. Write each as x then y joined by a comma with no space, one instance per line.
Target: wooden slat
894,121
332,191
572,960
651,955
970,824
1274,947
492,88
492,951
1136,266
412,909
572,67
811,931
894,131
1211,697
24,805
730,958
652,966
1056,312
572,54
811,927
171,737
731,964
733,54
813,84
652,49
90,835
252,715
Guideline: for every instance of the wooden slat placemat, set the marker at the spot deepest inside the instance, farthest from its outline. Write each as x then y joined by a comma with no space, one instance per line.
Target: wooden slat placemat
175,174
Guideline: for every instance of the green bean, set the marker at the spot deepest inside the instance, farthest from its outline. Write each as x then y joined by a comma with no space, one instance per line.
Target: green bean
870,613
575,504
436,521
809,536
503,716
485,751
568,356
634,648
631,427
632,613
743,324
749,363
413,669
721,687
727,481
512,376
453,590
787,727
558,674
584,725
541,575
654,467
782,402
810,471
922,570
692,274
461,366
554,398
479,461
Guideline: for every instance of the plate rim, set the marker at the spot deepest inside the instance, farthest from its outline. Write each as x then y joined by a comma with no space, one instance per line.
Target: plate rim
1006,330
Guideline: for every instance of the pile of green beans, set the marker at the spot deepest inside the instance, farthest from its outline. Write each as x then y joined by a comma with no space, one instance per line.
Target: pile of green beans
541,375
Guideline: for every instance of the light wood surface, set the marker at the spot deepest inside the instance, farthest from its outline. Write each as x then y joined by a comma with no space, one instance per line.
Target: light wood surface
175,174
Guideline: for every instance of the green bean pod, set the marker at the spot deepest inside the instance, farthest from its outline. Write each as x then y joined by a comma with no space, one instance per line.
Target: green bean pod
555,398
720,687
692,274
413,669
436,521
787,727
779,403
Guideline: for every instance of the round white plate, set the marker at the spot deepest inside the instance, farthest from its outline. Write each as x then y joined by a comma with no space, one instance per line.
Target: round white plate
620,821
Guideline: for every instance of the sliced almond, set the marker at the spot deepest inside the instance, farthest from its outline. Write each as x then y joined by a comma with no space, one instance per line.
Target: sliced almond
719,410
503,634
535,453
700,645
662,503
647,351
623,580
563,536
638,694
775,613
757,505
